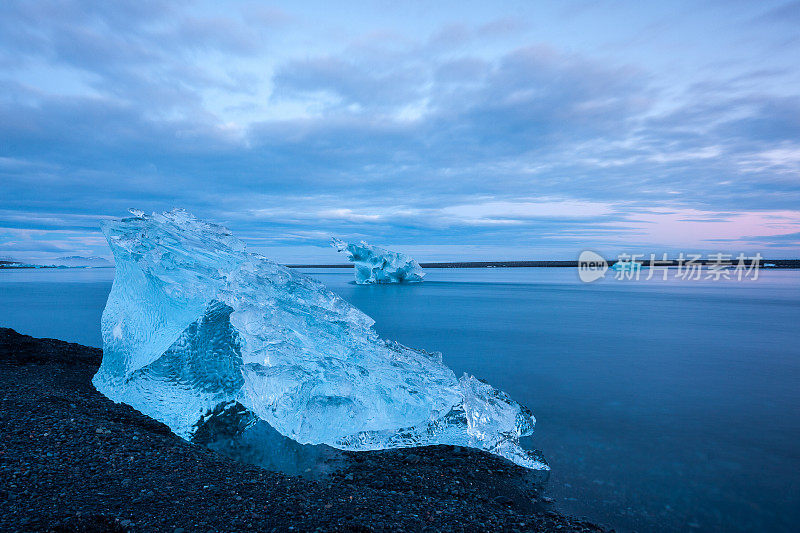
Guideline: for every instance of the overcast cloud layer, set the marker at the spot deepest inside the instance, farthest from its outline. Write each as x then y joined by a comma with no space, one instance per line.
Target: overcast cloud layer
460,131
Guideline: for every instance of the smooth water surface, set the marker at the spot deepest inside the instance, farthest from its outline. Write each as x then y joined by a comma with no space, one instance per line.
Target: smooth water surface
661,405
56,303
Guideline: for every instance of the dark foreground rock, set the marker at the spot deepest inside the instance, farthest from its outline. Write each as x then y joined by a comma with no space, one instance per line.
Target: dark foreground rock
72,460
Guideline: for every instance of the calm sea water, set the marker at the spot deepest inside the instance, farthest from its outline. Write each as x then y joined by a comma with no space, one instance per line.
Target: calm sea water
661,405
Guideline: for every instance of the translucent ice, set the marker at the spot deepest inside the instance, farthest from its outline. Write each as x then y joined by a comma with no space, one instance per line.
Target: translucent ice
195,324
628,266
376,265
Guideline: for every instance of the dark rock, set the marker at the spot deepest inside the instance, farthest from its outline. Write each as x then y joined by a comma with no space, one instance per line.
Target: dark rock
503,500
73,460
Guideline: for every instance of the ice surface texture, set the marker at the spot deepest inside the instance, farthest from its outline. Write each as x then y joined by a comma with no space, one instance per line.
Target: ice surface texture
376,265
195,323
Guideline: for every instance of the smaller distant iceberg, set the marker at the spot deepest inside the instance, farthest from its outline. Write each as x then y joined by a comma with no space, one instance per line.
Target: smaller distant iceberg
628,266
376,265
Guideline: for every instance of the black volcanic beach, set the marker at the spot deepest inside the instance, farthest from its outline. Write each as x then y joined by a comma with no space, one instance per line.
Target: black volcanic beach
72,460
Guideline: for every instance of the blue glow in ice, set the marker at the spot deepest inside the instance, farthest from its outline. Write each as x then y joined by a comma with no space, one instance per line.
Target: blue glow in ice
195,323
376,265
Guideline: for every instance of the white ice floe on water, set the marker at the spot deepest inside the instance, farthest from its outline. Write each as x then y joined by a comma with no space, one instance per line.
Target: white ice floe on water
195,322
377,265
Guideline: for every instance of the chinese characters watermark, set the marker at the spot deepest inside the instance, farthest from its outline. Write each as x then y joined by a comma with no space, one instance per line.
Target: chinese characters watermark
688,267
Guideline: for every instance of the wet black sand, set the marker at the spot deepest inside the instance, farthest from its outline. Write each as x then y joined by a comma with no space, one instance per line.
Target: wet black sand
72,460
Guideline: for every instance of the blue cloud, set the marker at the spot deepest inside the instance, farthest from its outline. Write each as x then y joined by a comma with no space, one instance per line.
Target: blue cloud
287,132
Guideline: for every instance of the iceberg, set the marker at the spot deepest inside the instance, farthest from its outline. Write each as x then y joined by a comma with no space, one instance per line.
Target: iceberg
376,265
196,327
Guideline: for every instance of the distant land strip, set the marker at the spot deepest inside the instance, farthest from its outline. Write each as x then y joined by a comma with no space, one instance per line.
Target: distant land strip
768,263
765,263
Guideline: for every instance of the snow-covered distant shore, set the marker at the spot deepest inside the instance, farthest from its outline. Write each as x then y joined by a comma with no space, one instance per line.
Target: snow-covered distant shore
73,261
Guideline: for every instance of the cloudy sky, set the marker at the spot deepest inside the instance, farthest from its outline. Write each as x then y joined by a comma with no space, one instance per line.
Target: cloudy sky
450,130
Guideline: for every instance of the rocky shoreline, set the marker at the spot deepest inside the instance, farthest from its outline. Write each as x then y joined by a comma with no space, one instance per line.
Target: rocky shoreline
72,460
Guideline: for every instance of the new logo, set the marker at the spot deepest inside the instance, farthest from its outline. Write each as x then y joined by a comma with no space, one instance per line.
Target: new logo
591,266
